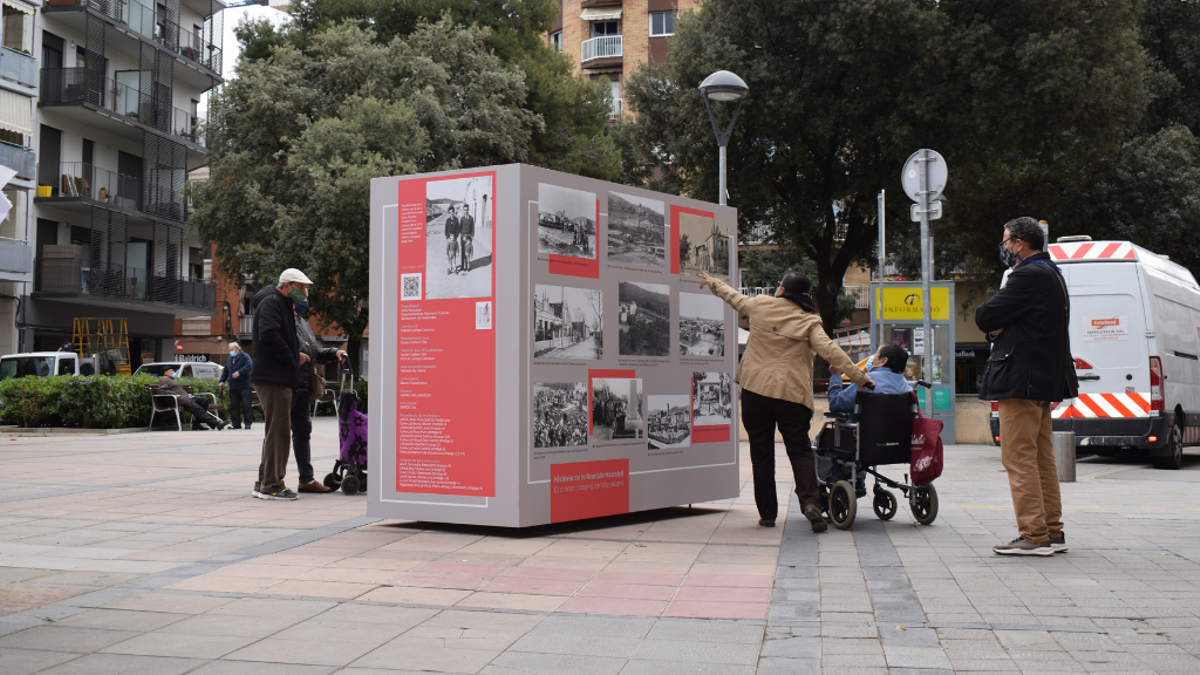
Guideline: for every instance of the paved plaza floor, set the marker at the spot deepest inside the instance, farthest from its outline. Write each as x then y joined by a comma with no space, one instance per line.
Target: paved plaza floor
145,553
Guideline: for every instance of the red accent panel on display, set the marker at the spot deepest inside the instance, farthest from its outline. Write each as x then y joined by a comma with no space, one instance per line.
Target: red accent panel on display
446,348
713,434
593,374
579,267
673,244
589,490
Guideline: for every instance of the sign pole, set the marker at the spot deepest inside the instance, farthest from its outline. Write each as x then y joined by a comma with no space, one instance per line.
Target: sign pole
926,273
882,205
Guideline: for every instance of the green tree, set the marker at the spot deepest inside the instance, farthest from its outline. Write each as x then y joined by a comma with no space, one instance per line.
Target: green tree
1025,100
296,138
574,136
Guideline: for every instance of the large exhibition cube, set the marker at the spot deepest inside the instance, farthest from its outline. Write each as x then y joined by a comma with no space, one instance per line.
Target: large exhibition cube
541,349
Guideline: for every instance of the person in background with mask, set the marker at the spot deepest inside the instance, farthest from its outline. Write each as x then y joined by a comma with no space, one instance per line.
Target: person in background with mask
168,385
277,361
237,372
301,403
1029,368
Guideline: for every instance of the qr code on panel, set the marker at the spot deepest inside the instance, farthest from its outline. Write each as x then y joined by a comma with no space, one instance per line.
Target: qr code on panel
410,286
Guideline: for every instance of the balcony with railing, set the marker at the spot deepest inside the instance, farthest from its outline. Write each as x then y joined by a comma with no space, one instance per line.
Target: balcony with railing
18,67
617,107
72,86
16,260
135,14
603,47
70,275
79,180
195,48
20,159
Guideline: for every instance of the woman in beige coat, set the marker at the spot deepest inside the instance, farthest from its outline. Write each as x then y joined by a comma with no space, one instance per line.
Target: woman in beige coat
775,375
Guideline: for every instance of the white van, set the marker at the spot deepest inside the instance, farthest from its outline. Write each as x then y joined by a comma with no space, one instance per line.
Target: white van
39,364
1135,336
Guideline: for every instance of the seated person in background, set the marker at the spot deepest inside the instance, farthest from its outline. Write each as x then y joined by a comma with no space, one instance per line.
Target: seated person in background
168,385
886,367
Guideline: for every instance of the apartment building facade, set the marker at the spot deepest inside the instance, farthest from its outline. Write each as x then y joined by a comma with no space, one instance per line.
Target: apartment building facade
113,124
608,39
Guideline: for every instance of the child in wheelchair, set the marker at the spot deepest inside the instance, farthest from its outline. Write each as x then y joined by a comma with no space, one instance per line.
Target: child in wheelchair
878,431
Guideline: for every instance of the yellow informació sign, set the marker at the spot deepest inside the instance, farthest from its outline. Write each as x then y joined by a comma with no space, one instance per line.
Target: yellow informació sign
904,303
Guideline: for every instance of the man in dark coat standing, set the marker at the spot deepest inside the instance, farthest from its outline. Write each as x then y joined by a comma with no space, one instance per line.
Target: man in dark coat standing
277,361
1029,368
302,403
466,230
452,229
237,376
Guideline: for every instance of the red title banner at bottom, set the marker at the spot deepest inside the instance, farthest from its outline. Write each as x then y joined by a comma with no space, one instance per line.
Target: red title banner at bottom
588,490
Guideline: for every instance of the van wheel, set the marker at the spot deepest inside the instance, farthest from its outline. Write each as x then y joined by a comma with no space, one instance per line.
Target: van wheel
1175,445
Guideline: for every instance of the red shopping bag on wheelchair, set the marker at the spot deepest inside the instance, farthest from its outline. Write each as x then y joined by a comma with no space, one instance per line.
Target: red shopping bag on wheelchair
925,464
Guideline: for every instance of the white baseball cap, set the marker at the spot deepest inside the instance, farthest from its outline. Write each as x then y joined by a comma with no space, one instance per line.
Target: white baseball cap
293,274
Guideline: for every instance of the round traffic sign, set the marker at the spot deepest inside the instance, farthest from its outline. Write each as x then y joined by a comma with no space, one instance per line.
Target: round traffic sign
179,346
910,178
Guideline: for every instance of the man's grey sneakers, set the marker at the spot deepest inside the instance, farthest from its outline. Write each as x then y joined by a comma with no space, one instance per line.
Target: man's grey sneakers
284,494
1020,546
1059,543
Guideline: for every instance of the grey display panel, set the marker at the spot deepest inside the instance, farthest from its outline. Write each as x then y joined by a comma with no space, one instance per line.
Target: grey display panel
559,363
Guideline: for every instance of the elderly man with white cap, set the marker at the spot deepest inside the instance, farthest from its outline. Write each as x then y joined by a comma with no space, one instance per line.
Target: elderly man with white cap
277,360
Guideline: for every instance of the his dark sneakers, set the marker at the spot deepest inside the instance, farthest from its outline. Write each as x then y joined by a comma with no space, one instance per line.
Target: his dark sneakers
1022,546
814,516
284,494
1059,543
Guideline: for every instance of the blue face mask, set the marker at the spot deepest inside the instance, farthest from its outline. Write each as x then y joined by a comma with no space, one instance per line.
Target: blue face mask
301,307
171,375
232,354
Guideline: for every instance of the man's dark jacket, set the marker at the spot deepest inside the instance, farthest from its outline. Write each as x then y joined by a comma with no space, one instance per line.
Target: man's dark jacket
1031,359
239,364
276,350
466,226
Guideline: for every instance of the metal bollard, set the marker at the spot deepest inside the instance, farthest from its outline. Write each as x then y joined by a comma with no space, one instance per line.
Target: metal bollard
1064,455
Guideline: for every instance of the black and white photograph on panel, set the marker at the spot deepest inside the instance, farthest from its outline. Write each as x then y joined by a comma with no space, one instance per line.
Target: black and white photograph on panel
668,421
637,230
703,246
645,317
566,221
568,322
701,325
458,238
712,399
617,409
560,414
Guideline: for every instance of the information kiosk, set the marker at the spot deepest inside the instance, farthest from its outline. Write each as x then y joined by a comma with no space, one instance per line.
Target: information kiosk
897,316
542,350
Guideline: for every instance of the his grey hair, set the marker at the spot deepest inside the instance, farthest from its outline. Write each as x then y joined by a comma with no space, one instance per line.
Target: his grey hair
1027,230
236,344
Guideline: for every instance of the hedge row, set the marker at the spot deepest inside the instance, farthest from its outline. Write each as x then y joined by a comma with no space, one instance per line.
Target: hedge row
99,401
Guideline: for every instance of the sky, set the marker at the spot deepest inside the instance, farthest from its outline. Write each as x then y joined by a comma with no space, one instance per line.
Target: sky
230,47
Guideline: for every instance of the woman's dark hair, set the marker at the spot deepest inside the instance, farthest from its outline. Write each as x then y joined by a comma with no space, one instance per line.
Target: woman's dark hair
796,286
897,357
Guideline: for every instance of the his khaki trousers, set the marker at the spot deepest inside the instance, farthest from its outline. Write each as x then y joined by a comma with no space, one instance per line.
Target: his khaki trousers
1028,456
276,401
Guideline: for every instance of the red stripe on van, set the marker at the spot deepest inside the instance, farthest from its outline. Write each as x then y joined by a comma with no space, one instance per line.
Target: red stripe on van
1116,403
1081,251
1110,250
1086,401
1056,252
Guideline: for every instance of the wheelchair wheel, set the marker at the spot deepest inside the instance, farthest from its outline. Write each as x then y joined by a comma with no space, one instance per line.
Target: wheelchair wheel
350,484
884,504
842,505
332,481
924,503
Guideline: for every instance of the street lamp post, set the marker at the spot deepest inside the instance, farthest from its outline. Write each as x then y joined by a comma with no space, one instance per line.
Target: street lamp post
723,86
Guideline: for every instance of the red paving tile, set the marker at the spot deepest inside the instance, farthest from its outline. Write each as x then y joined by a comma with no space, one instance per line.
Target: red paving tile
718,610
622,606
447,567
729,580
609,590
507,584
720,594
551,573
640,578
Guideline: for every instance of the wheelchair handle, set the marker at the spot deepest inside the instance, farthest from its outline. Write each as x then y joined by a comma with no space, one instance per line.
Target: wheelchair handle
923,383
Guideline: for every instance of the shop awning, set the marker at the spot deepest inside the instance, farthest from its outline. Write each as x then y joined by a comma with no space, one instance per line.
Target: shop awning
601,14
